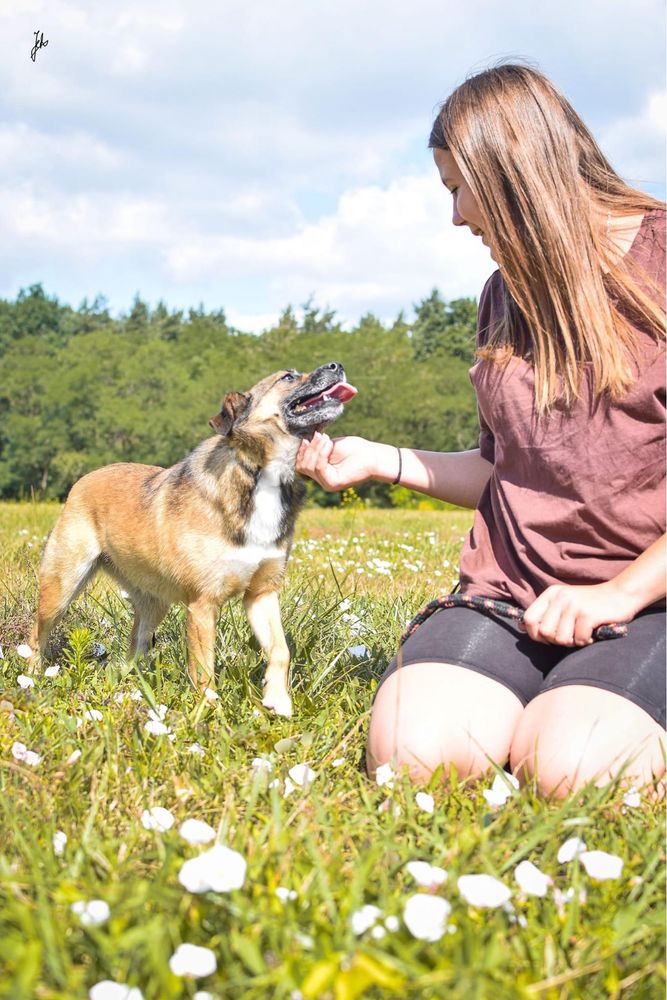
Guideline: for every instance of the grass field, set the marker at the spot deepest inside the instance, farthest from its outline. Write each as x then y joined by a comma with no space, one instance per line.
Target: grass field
87,752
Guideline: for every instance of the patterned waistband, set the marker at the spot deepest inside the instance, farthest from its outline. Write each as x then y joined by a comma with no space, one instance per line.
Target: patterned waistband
495,609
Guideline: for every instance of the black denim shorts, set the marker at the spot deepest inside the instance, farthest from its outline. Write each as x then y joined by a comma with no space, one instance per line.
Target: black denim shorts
633,667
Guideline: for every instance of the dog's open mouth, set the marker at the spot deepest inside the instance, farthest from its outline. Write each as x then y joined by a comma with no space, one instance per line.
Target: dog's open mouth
314,404
341,391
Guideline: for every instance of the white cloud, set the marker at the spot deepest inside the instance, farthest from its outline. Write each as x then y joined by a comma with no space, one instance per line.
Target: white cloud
638,143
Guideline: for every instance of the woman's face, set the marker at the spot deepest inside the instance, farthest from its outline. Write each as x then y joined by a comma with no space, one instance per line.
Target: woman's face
465,210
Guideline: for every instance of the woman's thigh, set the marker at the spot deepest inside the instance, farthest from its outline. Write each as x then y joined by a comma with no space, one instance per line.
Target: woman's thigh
427,714
575,734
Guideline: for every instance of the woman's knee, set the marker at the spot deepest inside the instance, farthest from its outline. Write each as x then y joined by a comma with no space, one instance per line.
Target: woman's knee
573,735
431,714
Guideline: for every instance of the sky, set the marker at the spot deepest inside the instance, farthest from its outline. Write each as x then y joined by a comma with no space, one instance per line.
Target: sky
250,155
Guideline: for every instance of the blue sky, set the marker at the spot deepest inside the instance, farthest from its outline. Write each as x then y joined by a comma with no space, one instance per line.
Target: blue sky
250,154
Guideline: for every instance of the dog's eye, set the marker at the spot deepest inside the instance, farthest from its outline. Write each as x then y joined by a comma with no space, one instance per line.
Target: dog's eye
289,377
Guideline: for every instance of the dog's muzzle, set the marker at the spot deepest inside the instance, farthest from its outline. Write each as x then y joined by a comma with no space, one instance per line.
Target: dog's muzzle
319,400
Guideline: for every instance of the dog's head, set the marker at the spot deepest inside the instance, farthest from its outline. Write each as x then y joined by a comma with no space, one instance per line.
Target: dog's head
285,403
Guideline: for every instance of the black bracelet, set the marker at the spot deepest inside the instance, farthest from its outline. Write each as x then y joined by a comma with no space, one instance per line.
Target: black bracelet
396,481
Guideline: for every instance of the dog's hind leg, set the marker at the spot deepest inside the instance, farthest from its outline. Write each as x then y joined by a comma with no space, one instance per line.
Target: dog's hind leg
263,613
70,560
148,613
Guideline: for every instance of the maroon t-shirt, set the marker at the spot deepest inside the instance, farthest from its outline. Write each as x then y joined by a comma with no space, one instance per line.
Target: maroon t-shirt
576,497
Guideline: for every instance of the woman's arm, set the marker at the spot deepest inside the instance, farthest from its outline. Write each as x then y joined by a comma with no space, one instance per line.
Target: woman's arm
567,615
458,477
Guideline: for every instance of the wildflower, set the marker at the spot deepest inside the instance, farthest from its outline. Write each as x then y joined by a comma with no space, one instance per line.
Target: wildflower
531,880
52,671
338,762
93,715
302,775
426,916
91,913
25,682
211,694
157,818
483,890
219,869
24,650
157,728
74,756
107,989
425,874
197,749
570,849
384,775
284,894
500,790
195,831
21,753
632,798
365,918
392,923
260,765
59,842
561,898
425,802
192,960
600,865
358,652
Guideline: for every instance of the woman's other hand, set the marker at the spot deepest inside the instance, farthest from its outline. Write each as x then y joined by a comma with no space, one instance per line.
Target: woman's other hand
568,615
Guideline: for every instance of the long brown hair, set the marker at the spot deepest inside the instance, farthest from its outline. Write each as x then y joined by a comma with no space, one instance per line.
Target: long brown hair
546,189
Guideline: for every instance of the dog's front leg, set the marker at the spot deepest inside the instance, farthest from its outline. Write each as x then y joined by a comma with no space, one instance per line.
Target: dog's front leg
201,619
263,612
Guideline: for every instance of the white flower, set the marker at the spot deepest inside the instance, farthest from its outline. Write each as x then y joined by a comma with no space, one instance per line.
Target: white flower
136,695
359,652
425,802
21,753
261,765
52,671
425,874
91,913
483,890
157,728
192,960
59,842
93,715
570,849
24,650
392,923
107,989
361,920
500,790
426,916
302,775
531,880
203,995
196,748
211,694
561,898
219,869
157,818
284,894
196,831
600,865
384,775
632,798
338,762
74,756
25,682
378,932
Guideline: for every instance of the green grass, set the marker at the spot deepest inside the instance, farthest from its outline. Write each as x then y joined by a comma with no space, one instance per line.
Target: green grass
339,845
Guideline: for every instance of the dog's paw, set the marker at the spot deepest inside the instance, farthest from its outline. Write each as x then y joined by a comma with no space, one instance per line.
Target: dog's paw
279,701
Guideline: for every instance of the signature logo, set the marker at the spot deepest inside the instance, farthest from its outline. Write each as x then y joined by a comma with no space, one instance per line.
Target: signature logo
39,44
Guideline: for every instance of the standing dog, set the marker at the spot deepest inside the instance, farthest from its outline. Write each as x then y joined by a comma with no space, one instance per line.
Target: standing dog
217,524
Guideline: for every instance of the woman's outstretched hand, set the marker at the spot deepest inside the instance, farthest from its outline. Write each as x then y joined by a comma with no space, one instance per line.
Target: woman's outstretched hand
337,464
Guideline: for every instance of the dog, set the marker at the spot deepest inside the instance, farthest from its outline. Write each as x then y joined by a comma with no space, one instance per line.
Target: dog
217,524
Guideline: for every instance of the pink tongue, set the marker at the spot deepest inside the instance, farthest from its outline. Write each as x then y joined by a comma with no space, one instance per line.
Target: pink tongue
342,391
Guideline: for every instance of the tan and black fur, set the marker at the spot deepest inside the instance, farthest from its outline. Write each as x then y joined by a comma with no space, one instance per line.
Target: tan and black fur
217,524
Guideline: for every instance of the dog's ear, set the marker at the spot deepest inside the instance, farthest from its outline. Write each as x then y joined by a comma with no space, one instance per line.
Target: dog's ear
234,405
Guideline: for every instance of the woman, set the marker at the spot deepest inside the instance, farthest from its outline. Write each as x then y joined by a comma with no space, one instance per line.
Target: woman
568,481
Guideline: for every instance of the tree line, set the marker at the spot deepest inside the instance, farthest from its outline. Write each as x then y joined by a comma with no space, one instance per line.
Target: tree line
81,389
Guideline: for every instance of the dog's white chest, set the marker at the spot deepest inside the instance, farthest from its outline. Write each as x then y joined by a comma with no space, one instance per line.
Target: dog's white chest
264,523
